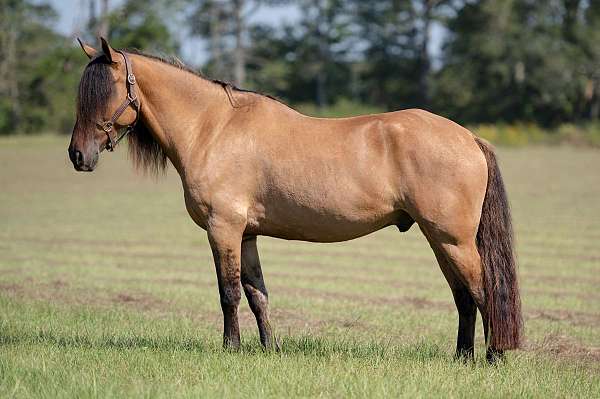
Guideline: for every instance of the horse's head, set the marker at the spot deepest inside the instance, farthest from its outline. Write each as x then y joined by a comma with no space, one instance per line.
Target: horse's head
106,103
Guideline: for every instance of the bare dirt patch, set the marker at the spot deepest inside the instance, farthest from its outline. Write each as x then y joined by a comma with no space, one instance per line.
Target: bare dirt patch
565,346
562,280
61,292
140,301
578,318
356,297
586,296
349,277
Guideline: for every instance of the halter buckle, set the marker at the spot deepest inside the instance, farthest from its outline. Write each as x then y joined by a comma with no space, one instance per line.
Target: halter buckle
106,126
131,79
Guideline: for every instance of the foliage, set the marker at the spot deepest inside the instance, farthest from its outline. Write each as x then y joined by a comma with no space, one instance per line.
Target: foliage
342,108
521,134
40,69
33,62
141,24
517,62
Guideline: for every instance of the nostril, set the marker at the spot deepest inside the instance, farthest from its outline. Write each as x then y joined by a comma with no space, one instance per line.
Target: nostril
72,155
77,158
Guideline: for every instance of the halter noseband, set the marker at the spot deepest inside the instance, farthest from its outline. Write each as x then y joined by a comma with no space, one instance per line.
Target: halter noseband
132,99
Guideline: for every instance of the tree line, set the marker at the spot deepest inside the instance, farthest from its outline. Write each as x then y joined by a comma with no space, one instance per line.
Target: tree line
500,60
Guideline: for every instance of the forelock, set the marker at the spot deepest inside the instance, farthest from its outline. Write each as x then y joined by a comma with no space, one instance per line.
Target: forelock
95,91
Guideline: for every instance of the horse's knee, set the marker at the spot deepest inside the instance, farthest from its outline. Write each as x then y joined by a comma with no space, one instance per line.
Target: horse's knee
230,295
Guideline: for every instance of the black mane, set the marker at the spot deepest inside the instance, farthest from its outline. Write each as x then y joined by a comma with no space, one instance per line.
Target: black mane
95,90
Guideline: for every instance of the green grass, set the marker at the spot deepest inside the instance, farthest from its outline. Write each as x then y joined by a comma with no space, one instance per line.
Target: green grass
108,289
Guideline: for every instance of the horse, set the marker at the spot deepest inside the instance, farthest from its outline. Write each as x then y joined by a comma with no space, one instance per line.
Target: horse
251,166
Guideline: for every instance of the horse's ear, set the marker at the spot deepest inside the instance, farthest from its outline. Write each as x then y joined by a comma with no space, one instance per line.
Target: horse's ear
88,50
108,51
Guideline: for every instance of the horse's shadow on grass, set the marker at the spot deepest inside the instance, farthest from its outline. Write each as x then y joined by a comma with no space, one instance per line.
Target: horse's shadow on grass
303,345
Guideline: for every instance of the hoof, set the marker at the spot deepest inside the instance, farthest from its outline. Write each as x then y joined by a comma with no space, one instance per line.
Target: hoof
465,355
271,345
494,356
231,344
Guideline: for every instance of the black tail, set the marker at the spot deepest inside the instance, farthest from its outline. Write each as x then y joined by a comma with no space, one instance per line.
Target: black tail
495,245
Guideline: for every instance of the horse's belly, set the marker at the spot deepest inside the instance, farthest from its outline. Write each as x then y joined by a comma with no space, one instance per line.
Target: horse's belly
319,224
328,231
316,235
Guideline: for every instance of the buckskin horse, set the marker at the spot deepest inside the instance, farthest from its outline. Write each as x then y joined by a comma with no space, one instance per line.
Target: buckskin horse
252,166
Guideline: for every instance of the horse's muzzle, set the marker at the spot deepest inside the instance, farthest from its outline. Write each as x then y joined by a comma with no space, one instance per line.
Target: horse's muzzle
83,163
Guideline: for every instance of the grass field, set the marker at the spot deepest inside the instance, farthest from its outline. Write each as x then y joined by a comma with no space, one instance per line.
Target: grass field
108,289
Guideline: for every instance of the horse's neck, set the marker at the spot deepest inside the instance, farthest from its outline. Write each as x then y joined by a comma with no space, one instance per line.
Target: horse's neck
178,107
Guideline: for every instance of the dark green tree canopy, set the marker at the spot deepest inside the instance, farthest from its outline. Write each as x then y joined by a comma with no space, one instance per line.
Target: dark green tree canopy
501,61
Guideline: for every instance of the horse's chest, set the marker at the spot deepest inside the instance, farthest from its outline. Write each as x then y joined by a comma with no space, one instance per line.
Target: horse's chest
196,209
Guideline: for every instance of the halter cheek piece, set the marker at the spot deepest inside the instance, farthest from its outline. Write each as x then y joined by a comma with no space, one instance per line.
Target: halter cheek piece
132,99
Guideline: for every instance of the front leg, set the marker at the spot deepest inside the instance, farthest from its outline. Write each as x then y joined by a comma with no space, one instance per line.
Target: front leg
256,292
225,241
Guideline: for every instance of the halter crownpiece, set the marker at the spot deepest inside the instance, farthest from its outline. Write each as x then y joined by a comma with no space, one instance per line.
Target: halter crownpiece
132,99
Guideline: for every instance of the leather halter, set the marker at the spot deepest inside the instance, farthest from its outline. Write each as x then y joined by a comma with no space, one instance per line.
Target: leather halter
132,99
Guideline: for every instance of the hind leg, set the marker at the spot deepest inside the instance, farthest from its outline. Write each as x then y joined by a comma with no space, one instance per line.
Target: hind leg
465,262
453,240
465,305
467,315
